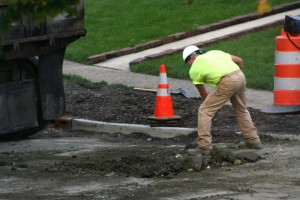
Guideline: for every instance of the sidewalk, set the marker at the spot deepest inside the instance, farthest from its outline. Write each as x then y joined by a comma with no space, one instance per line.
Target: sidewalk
257,99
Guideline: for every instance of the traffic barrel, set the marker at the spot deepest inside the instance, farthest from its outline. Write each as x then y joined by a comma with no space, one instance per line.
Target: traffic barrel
286,74
163,111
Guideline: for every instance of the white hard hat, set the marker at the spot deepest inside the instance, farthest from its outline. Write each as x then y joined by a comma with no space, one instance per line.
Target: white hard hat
188,51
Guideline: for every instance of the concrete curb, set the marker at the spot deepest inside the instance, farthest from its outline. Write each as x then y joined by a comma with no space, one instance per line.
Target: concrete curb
159,132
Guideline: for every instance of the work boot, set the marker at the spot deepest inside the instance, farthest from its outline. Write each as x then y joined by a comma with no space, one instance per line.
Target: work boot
255,146
197,150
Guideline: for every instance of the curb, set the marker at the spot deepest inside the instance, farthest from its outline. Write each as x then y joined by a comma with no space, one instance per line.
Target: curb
157,132
199,30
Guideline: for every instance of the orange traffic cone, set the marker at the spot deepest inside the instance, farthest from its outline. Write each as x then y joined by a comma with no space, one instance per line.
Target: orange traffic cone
163,111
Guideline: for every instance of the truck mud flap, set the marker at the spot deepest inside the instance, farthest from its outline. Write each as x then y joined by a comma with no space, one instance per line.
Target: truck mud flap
51,84
17,106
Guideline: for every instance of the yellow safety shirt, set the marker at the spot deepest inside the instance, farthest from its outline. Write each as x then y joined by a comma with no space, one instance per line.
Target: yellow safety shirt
210,67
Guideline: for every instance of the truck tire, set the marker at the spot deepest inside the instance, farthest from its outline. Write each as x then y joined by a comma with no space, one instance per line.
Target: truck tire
32,72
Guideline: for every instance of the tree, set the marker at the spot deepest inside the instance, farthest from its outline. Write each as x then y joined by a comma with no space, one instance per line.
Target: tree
13,10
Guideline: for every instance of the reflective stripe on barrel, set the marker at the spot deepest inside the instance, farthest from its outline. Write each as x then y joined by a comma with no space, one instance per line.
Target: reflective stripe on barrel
287,57
286,83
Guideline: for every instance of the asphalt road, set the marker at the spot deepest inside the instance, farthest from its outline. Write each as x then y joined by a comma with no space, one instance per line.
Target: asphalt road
46,166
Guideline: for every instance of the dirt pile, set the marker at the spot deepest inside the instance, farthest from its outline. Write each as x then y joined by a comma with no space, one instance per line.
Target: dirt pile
100,102
163,158
126,105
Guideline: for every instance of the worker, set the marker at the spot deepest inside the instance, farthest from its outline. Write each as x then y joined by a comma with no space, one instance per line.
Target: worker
263,6
224,73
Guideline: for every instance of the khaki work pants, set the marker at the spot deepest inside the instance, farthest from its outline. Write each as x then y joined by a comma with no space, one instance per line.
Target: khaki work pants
232,86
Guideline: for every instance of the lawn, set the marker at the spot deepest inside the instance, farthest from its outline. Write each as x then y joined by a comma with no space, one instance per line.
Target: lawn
117,24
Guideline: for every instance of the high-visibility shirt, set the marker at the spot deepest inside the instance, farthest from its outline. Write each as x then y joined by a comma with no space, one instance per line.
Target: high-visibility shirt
210,67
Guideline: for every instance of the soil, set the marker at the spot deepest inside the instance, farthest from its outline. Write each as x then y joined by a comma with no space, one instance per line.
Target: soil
125,105
121,104
58,163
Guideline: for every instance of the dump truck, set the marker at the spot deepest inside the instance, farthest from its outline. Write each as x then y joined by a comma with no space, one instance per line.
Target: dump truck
31,79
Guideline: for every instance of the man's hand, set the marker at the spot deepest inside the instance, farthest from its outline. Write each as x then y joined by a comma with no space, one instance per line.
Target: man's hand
238,61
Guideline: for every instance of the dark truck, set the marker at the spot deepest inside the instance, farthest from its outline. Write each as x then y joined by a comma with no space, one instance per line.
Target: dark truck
31,79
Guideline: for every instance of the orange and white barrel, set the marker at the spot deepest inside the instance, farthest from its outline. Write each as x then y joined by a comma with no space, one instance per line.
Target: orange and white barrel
286,74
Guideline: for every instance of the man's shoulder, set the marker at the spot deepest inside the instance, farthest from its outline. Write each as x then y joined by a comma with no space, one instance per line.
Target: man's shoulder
216,52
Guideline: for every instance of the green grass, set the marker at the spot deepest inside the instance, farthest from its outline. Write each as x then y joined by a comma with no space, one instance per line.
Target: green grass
80,80
116,24
256,49
76,79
